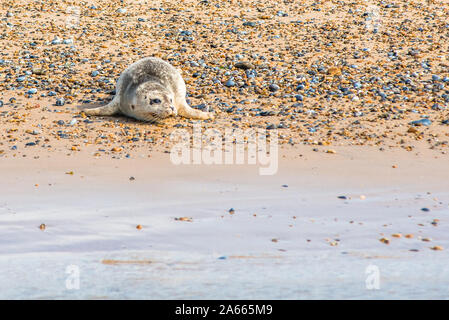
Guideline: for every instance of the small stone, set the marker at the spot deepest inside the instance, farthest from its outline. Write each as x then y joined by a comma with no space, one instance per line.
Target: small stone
42,226
184,219
412,130
334,71
421,122
230,83
231,211
249,24
38,71
60,102
244,65
273,87
56,40
436,77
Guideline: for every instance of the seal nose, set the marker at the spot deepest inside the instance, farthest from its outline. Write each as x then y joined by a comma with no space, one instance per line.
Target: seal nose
173,109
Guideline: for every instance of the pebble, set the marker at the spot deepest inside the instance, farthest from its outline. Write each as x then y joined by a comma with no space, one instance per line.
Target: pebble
56,41
421,122
274,87
314,90
244,65
60,102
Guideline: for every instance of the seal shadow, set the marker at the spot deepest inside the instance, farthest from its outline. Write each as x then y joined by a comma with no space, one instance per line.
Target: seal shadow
119,117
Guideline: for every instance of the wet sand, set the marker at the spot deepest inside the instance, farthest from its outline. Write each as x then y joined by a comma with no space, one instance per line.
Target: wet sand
290,235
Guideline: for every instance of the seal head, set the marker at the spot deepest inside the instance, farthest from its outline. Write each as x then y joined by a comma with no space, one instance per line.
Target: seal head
149,101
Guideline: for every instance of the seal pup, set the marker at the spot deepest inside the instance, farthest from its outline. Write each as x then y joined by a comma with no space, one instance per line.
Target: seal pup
149,90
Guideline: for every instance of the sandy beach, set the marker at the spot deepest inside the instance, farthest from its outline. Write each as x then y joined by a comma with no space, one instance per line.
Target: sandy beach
289,236
356,92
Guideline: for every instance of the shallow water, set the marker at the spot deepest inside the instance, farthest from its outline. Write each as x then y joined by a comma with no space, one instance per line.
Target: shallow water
219,255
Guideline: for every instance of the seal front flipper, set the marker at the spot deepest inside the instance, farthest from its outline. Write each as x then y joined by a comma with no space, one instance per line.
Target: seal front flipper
107,110
184,110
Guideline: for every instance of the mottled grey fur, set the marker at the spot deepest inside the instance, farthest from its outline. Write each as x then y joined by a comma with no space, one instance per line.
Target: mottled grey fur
142,84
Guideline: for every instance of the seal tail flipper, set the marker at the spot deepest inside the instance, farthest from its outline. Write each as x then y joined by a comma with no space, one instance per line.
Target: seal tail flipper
107,110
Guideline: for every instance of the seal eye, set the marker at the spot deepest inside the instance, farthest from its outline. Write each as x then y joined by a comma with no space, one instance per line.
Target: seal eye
156,101
132,107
